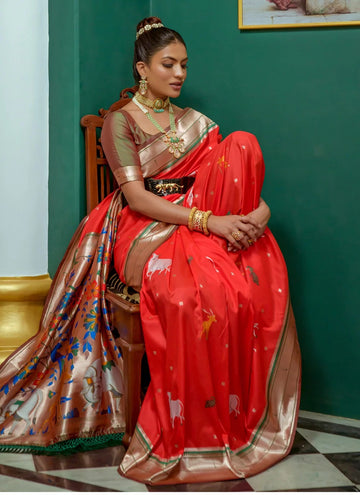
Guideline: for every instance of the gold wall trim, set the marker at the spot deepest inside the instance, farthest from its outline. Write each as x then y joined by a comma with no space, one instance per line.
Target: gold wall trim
21,304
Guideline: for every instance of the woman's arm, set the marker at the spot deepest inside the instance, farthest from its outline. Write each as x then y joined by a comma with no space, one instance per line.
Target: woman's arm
146,203
158,208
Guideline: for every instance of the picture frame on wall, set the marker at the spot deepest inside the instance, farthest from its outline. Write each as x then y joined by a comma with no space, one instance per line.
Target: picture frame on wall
270,14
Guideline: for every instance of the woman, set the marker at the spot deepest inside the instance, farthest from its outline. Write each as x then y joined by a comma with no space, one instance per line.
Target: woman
188,229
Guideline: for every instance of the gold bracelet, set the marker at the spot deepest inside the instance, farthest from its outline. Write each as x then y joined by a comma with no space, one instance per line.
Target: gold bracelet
191,217
205,219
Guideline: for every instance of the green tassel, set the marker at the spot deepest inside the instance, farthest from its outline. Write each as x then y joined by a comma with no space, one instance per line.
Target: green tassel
67,446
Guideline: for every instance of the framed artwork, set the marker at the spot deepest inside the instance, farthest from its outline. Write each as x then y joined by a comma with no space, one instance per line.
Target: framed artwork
267,14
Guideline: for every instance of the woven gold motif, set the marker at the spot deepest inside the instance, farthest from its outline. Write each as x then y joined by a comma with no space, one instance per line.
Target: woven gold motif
170,187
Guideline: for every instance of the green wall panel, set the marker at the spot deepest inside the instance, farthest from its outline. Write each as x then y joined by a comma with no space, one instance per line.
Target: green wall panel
107,34
90,57
64,137
298,91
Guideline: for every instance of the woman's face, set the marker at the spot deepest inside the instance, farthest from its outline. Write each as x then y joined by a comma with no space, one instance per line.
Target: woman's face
166,71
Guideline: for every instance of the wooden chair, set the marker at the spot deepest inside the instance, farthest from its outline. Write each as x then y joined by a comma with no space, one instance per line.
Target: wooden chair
122,301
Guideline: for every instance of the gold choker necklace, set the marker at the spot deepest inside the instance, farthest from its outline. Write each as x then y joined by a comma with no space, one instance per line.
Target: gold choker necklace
158,105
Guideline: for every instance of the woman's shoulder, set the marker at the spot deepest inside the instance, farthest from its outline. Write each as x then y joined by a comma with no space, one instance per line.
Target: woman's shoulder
119,122
118,115
194,115
125,117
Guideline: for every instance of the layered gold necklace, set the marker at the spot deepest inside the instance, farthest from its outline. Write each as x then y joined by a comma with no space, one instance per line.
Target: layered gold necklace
176,145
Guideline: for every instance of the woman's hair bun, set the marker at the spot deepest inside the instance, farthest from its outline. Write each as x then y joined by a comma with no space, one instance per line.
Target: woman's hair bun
149,41
147,21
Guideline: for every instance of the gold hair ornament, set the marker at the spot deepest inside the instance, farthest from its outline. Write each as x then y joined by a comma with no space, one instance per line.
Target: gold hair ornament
148,27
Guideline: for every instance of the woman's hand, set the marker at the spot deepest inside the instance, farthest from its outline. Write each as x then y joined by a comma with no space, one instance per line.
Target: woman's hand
239,234
258,218
246,229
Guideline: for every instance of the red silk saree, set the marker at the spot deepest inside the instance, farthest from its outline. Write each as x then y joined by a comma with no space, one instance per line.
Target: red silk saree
219,331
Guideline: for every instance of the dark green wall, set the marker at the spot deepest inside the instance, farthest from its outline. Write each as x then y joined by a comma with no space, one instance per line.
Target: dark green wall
90,53
64,136
298,91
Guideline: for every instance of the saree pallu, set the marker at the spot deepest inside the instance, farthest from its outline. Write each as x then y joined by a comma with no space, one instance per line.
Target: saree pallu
220,339
62,390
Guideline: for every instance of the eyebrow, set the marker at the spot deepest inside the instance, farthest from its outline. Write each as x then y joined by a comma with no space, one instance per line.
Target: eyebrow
175,60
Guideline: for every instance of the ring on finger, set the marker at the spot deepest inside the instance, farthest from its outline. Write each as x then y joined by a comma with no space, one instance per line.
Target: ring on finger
237,235
250,242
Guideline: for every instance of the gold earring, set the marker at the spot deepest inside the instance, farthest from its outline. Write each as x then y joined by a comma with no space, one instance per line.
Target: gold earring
143,85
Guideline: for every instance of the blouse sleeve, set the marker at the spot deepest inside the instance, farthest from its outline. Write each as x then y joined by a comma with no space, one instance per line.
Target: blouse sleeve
120,148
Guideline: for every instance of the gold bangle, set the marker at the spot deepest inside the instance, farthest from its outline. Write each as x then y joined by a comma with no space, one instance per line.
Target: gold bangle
197,221
205,222
191,217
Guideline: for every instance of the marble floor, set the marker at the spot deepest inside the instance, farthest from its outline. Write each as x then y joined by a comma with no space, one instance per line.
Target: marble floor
325,457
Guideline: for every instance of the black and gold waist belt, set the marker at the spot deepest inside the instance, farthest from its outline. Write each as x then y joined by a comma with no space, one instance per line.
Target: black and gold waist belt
163,187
